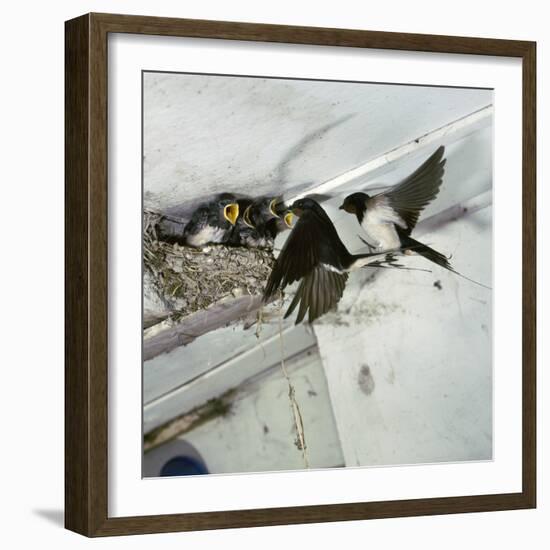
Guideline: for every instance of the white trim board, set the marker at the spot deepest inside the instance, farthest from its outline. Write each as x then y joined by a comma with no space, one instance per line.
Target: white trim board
445,134
230,374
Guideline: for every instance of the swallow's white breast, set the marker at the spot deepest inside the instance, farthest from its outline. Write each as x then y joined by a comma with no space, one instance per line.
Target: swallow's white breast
379,225
207,234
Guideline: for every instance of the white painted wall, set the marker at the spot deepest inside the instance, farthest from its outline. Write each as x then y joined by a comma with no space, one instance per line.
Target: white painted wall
258,434
409,368
176,382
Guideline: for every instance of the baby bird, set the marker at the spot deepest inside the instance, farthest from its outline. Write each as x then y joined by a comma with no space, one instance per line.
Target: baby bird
260,223
212,222
263,209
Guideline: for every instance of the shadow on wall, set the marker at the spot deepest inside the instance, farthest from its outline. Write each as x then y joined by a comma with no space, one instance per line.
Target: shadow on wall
298,149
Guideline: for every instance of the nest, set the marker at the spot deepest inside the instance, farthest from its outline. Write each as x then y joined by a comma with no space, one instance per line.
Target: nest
189,279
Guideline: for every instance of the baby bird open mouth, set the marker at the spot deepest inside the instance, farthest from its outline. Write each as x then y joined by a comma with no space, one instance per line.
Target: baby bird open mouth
246,217
289,218
275,205
231,212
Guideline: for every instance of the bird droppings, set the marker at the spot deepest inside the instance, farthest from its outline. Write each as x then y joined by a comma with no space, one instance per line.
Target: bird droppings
364,313
190,279
366,380
438,285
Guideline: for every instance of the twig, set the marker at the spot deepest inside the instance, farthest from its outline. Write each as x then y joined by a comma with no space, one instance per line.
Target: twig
297,415
260,320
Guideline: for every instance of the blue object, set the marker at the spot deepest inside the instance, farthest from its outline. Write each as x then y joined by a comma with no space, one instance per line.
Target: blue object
183,466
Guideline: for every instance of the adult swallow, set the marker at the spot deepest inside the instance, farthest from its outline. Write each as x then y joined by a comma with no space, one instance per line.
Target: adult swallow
388,218
212,222
314,255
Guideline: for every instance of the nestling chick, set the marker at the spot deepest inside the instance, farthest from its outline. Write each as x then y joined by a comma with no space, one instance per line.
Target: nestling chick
212,222
261,235
263,209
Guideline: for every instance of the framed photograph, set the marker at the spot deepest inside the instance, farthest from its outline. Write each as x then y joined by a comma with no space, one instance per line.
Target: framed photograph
300,274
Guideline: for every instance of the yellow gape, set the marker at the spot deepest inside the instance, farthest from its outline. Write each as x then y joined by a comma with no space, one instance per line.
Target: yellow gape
272,205
246,217
231,212
289,216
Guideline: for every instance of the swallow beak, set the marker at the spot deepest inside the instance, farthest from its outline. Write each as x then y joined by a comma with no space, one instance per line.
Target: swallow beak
273,204
341,207
246,217
289,217
231,213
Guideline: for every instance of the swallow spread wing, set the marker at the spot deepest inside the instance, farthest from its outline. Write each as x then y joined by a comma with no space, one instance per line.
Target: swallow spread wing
415,192
389,218
314,255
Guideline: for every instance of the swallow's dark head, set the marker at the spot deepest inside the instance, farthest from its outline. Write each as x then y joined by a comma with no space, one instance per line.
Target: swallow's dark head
355,204
300,205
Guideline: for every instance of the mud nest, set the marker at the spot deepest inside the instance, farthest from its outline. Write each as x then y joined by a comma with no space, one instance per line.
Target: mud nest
189,279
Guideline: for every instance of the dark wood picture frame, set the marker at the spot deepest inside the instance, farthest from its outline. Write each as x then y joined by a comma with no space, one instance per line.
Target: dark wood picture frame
86,284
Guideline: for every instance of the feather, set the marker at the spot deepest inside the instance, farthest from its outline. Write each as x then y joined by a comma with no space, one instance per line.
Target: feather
415,192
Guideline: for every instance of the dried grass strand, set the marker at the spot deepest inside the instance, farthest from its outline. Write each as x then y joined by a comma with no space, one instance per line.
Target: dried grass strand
295,408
